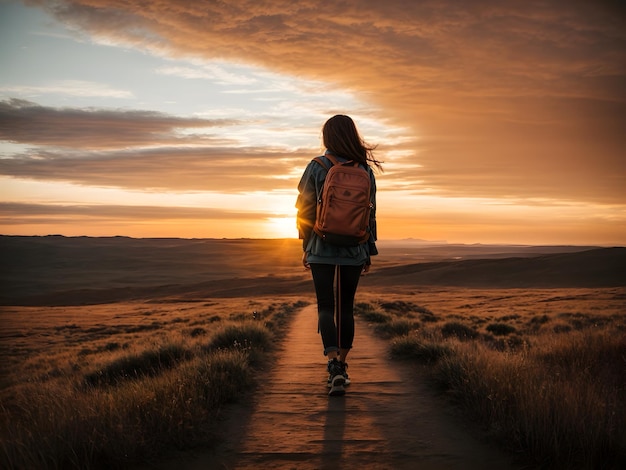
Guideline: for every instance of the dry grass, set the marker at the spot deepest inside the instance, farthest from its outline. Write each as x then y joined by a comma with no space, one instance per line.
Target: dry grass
104,386
544,370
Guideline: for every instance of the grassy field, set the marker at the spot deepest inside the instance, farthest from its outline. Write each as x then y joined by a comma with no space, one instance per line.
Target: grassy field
102,386
543,370
107,385
118,350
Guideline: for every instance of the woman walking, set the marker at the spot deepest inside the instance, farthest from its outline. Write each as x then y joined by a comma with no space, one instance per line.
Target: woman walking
332,260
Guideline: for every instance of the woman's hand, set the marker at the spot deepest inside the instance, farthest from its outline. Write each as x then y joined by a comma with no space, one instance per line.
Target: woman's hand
305,262
366,268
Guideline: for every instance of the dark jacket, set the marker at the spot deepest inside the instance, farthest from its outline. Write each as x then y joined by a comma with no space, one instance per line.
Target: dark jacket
317,250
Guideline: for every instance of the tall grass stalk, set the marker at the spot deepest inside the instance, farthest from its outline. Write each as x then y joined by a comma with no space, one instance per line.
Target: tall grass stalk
555,392
62,425
129,404
561,403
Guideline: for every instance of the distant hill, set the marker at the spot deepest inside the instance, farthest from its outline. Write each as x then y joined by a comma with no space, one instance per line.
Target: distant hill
58,270
600,267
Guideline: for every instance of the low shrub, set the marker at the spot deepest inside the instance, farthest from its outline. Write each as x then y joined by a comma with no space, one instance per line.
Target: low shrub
242,336
377,317
539,319
395,328
281,315
501,329
513,316
222,376
408,309
458,330
561,328
132,366
371,313
112,346
411,347
511,343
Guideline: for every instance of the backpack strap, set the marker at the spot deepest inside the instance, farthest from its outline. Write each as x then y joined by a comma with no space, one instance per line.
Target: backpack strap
321,162
334,161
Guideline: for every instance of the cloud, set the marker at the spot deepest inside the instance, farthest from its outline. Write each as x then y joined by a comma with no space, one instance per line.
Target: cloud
26,122
522,99
207,71
144,150
138,150
79,88
165,168
45,213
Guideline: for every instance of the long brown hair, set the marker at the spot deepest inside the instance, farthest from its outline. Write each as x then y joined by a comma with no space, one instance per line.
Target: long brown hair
342,139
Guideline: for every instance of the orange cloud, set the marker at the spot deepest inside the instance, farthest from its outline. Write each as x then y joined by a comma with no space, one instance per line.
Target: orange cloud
504,99
166,168
26,122
135,150
21,212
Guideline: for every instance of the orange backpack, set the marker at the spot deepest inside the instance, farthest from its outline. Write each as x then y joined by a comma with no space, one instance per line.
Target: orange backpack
343,207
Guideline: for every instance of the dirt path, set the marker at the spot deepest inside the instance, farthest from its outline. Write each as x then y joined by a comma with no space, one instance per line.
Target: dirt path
386,420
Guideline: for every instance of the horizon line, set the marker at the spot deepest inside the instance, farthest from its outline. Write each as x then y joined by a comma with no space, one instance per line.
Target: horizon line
383,241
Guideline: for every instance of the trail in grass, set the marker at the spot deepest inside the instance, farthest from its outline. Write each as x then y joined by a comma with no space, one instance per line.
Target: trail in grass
386,420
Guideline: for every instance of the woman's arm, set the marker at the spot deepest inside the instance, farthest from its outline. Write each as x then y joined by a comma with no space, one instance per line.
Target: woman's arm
306,205
373,228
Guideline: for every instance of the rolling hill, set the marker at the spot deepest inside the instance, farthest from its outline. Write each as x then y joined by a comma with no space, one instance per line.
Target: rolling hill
59,270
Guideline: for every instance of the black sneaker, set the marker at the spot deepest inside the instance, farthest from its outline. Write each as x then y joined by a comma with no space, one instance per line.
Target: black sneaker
334,368
336,379
345,373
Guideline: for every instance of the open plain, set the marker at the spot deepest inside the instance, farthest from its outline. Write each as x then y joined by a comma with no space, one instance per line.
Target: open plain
77,311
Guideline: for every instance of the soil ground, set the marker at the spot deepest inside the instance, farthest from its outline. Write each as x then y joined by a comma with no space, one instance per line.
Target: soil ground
388,419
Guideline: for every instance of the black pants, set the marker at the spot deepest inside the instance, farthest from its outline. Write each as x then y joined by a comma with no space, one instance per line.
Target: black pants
335,334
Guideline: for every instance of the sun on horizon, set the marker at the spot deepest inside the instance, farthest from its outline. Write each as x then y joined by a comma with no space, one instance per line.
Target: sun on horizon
201,125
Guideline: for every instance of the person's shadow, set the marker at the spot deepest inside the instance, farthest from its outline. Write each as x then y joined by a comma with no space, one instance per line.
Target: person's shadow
334,428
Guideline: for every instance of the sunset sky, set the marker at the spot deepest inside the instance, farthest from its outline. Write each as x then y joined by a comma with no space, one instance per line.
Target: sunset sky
498,121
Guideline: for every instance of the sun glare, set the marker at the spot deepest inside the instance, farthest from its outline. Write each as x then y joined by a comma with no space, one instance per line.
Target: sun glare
282,227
